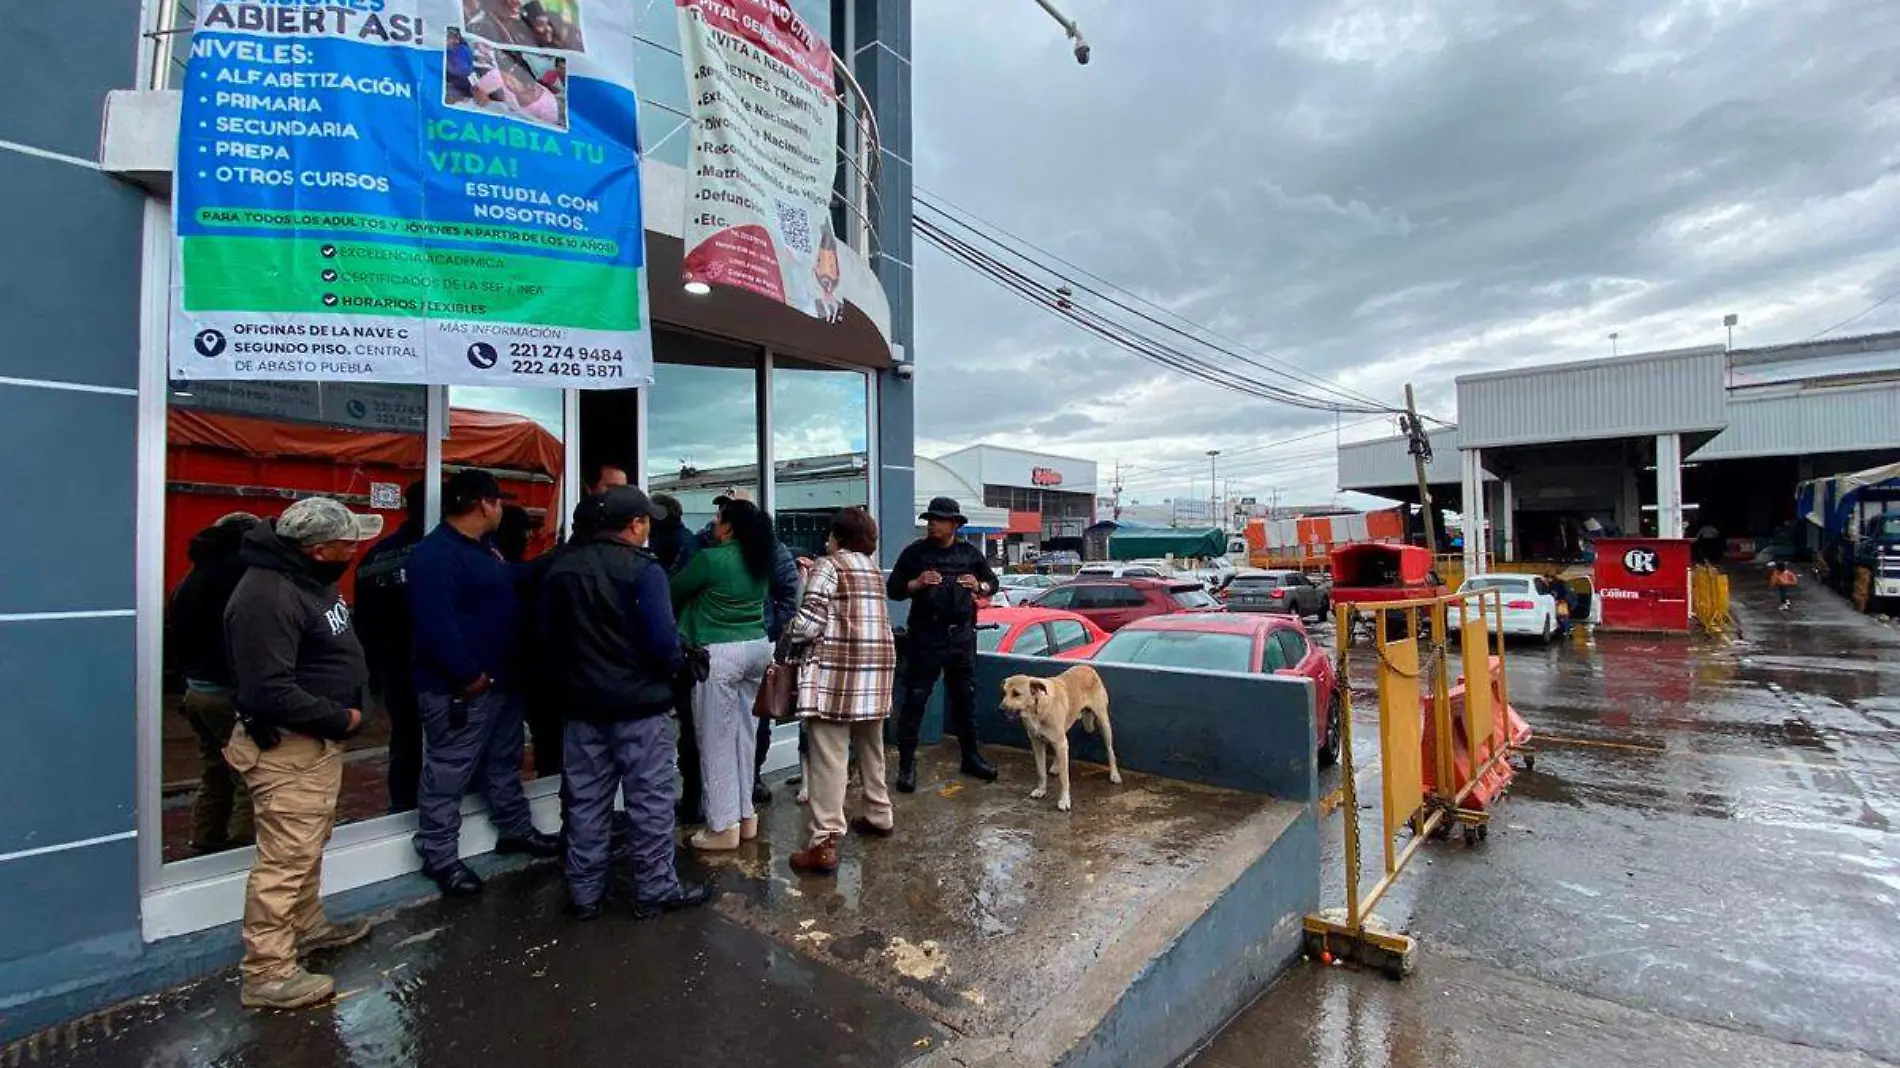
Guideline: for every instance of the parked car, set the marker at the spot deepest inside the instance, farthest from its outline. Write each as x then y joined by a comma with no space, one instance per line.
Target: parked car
1114,603
1016,590
1060,562
1036,632
1124,569
1530,609
1248,644
1289,592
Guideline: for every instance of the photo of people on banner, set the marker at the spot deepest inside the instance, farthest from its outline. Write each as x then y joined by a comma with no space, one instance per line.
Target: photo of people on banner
529,86
525,23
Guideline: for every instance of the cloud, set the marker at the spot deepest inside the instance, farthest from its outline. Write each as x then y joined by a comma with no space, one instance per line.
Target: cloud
1382,191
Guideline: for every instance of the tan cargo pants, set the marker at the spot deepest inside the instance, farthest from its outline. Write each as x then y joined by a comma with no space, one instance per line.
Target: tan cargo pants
294,788
827,771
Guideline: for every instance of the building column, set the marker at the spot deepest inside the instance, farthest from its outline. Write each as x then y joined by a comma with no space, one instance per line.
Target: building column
1669,486
1629,505
1473,492
1507,520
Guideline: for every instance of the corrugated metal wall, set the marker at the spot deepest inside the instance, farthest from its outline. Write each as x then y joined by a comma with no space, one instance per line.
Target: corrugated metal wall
1804,422
1651,393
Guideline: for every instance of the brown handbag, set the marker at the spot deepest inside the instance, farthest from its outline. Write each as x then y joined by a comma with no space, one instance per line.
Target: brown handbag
778,693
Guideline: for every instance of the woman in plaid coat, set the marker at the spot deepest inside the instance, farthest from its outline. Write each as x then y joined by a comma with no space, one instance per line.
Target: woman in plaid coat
842,633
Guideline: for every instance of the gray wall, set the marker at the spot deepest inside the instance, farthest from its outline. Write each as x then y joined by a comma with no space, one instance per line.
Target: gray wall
879,45
69,343
1244,732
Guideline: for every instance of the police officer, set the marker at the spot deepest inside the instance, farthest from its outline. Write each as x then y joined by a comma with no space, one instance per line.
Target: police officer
466,619
607,623
944,578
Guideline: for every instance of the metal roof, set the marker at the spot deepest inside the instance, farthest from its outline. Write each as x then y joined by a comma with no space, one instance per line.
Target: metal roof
1385,462
1866,354
1673,392
1804,419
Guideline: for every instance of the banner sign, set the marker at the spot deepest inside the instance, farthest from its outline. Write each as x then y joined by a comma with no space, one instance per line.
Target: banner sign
421,191
764,153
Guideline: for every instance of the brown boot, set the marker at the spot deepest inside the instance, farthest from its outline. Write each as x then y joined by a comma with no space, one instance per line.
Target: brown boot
820,858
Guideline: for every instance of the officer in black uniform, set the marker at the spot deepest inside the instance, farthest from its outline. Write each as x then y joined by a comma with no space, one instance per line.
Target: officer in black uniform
383,624
944,578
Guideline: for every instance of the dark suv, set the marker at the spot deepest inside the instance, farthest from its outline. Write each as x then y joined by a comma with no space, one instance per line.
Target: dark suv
1276,591
1114,603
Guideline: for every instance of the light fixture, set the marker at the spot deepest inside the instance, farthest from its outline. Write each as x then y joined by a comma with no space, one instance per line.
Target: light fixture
698,288
180,388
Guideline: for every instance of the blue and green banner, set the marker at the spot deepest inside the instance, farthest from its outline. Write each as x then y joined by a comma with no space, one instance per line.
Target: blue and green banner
440,191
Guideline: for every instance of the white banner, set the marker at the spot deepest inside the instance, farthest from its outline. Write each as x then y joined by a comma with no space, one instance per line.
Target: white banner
764,153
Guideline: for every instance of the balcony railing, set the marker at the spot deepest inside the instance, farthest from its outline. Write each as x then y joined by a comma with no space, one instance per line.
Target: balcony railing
855,203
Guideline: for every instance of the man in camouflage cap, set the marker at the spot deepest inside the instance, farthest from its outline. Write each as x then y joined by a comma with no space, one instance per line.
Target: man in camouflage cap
300,675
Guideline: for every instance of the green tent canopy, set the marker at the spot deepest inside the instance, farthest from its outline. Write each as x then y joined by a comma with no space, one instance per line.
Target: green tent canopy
1147,543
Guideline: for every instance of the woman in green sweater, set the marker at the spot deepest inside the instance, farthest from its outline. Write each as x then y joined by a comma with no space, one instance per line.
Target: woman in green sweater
720,598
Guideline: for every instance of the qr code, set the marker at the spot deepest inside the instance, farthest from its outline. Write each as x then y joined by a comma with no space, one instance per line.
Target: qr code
794,222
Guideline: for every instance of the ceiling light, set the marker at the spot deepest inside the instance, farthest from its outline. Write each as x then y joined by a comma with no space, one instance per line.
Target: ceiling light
698,288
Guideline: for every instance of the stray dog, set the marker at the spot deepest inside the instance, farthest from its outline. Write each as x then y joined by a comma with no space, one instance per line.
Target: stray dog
1048,708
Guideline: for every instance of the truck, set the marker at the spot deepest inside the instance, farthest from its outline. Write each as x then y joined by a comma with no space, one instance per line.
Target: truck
1366,574
1856,519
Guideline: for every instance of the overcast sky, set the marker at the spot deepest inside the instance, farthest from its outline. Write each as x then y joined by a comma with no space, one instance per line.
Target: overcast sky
1378,191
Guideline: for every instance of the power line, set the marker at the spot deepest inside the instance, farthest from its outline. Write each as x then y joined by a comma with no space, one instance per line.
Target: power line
1058,298
1852,318
971,221
1147,473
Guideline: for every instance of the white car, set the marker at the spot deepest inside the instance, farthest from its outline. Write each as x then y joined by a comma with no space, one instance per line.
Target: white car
1131,569
1014,591
1529,609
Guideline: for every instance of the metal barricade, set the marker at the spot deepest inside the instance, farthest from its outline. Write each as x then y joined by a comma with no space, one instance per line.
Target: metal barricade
1708,599
1444,753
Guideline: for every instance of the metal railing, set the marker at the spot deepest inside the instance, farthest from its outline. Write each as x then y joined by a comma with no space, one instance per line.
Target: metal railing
856,203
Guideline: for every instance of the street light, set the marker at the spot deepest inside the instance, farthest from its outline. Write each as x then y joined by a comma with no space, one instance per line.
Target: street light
1613,337
1213,488
1069,27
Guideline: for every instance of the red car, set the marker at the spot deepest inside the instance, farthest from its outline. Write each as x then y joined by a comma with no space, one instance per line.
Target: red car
1033,631
1112,604
1248,644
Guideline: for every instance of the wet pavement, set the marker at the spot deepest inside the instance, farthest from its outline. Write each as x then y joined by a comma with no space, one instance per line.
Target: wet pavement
1702,869
979,919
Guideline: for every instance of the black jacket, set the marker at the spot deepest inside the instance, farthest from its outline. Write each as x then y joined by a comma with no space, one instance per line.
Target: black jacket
382,608
781,602
945,613
608,632
294,653
194,627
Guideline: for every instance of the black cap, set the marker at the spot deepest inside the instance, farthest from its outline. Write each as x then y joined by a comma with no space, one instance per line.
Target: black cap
623,504
945,508
469,487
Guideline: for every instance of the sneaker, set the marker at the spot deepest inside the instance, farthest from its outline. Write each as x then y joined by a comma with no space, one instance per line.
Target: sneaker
298,990
334,935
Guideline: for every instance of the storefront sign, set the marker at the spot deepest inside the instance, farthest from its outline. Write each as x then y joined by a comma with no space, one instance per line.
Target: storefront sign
764,153
1045,476
411,191
358,405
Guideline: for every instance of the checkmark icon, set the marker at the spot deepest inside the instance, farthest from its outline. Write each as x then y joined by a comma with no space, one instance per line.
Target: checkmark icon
327,252
329,300
329,274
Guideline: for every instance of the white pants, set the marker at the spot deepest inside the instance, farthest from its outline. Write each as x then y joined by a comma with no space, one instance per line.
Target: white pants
727,732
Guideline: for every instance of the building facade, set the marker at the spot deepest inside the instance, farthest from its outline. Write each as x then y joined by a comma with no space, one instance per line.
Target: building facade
1050,499
99,880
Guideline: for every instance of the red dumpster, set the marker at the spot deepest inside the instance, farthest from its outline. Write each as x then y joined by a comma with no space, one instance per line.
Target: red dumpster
1643,583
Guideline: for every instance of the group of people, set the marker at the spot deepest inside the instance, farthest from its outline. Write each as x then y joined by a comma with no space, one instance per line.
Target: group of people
475,74
596,644
533,23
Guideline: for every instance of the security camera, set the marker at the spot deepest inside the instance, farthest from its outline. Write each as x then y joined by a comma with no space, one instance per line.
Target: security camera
1082,53
905,371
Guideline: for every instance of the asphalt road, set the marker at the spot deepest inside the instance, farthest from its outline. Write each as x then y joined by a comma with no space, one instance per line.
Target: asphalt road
1701,870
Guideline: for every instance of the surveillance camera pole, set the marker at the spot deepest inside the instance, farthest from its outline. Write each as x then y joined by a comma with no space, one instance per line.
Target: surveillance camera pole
1069,27
1419,444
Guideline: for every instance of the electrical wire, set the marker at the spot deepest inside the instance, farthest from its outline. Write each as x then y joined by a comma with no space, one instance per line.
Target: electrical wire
1052,298
1227,454
962,218
1857,316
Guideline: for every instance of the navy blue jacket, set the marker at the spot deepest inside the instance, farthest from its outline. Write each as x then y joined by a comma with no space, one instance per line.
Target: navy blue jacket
464,612
607,631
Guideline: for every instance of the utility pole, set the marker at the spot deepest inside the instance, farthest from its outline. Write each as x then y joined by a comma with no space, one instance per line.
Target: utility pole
1117,505
1420,446
1213,488
1070,28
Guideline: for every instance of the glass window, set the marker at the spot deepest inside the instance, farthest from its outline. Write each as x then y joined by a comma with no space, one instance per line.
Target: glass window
1124,597
989,637
1194,597
1507,585
1200,651
1060,597
1292,647
821,458
1033,641
703,423
250,449
1069,634
1274,655
519,436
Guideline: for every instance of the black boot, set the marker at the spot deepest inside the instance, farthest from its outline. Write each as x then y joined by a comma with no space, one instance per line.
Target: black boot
976,767
907,773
